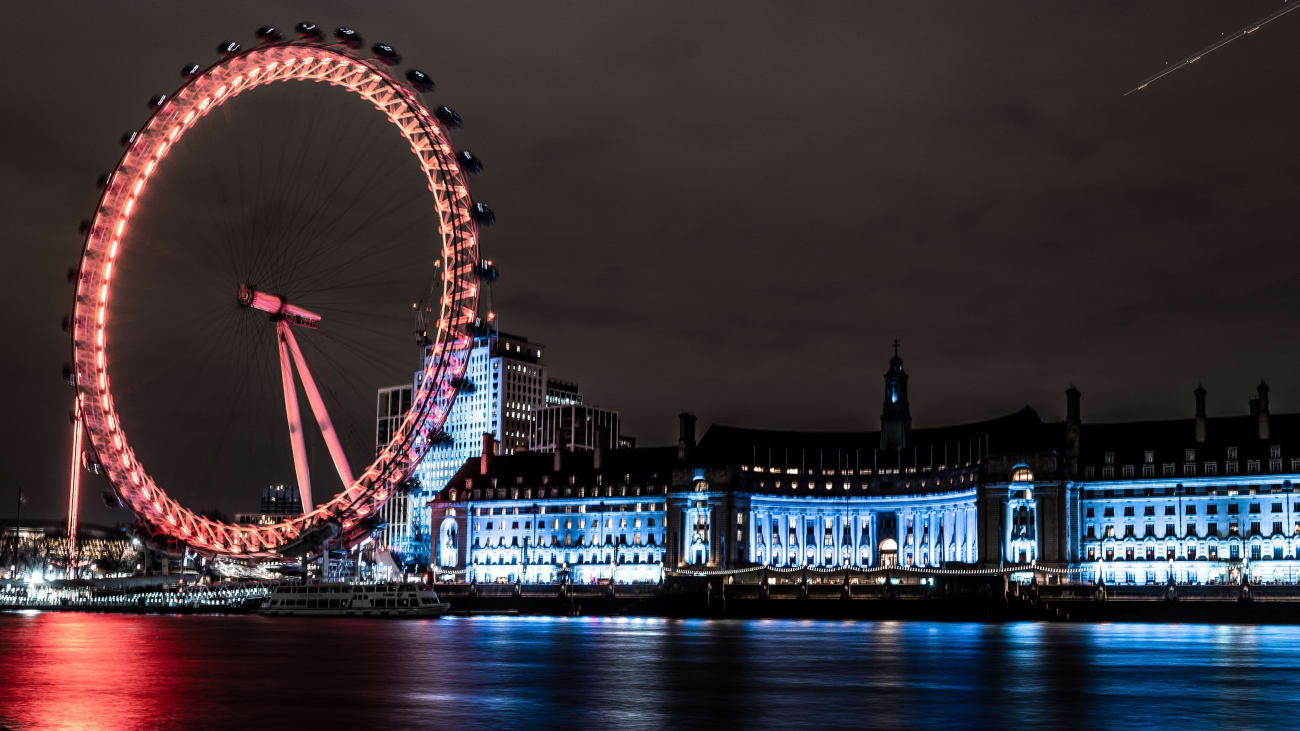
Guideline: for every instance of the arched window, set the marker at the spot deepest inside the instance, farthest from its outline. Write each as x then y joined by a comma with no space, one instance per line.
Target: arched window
1022,473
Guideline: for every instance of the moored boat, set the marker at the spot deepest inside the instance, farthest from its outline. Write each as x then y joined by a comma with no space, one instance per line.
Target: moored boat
354,600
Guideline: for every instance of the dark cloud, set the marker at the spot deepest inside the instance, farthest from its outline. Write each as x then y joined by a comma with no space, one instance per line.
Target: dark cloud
733,207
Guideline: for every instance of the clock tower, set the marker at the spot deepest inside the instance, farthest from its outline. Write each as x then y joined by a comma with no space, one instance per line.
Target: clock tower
895,417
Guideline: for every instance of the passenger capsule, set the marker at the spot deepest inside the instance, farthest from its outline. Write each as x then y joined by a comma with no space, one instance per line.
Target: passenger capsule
72,274
307,30
483,215
84,227
190,69
386,54
65,323
348,36
419,80
157,100
102,180
449,117
227,47
269,34
469,163
128,138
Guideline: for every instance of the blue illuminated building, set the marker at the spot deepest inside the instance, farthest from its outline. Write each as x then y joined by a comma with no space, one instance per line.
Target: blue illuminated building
1196,500
577,516
1200,500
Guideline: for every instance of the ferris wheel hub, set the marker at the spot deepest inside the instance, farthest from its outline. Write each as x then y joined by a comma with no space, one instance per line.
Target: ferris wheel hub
278,307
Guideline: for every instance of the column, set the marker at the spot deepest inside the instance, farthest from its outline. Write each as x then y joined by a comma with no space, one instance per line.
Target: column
932,519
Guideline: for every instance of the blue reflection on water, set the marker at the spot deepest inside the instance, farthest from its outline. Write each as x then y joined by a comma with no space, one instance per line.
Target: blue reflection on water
122,671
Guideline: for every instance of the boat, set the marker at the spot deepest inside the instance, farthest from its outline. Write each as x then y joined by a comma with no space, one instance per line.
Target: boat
354,600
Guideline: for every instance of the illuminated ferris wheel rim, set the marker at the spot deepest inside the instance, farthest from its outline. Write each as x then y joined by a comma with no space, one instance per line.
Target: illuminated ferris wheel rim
308,59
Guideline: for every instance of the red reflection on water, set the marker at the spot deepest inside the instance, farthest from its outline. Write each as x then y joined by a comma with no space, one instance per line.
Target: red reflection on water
75,670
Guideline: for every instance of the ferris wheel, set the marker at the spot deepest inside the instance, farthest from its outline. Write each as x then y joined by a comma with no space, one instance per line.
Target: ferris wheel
258,242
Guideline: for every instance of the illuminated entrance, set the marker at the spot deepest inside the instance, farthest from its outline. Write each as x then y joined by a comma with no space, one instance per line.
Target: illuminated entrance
889,552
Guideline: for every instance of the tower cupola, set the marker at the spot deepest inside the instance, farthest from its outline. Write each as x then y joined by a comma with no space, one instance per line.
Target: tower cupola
896,416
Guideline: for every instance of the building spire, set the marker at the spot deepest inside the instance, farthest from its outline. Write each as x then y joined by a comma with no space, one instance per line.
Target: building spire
895,416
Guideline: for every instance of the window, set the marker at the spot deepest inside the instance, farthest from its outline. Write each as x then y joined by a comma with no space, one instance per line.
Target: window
1213,509
1277,507
1089,472
1252,466
1148,470
1128,511
1167,469
1191,509
1150,533
1149,510
1189,468
1211,468
1149,456
1126,470
1232,452
1275,465
1022,474
1233,508
1110,458
1108,512
1089,513
1275,450
1254,507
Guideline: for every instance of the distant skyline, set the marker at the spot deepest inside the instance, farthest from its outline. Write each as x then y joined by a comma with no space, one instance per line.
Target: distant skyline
734,208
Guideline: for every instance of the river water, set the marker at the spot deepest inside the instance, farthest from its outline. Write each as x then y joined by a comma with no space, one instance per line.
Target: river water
72,670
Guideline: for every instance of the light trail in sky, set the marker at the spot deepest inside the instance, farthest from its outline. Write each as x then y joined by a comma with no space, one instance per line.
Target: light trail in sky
1248,30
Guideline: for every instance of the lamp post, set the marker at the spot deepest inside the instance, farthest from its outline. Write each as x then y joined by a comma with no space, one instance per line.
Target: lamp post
18,520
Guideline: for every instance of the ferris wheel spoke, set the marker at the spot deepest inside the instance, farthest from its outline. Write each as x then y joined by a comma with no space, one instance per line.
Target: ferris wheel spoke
318,408
294,418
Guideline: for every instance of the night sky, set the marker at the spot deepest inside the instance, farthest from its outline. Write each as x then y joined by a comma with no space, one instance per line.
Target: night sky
735,207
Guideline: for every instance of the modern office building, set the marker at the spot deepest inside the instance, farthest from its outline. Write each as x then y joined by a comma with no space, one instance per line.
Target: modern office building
1190,500
562,393
504,386
391,407
278,502
575,428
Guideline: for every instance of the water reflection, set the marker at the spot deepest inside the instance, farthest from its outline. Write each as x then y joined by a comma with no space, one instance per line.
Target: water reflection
126,671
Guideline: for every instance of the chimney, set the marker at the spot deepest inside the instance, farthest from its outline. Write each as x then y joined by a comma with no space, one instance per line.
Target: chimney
1259,407
489,449
559,447
685,436
1073,429
1202,423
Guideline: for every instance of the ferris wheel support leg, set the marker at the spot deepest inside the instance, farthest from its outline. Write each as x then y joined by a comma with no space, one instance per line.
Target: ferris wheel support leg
74,492
292,416
318,408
